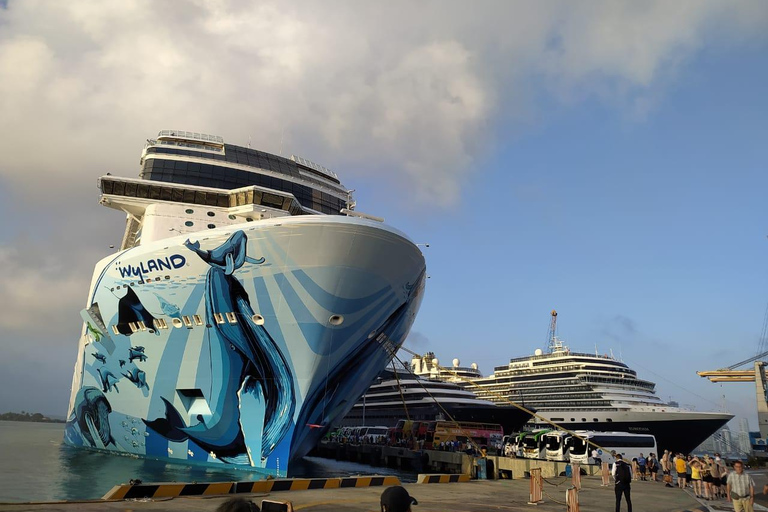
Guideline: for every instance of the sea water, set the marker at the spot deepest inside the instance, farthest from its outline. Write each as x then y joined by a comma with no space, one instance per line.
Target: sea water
38,466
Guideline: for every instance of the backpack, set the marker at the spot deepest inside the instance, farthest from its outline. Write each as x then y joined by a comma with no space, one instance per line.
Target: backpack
623,475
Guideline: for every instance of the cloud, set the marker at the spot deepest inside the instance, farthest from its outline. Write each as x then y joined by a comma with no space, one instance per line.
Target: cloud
406,92
406,95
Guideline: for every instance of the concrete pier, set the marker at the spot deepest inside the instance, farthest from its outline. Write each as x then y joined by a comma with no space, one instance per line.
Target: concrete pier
434,461
475,496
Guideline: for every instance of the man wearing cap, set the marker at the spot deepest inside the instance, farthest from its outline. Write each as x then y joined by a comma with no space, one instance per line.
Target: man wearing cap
397,499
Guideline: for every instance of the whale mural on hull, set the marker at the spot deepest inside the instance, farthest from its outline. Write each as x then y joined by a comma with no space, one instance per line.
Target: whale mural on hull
245,359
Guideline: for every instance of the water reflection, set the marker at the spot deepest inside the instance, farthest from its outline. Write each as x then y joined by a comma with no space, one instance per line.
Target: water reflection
90,474
40,467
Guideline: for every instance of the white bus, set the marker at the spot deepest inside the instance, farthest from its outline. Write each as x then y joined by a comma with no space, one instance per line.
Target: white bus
630,446
533,445
557,445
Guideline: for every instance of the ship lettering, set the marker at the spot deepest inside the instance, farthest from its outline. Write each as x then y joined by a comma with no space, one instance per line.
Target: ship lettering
145,267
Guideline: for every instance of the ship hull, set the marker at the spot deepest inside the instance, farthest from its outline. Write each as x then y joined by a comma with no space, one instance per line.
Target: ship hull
244,346
676,431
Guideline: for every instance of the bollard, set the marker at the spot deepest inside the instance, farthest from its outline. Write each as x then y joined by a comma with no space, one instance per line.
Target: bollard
536,487
605,474
572,500
576,477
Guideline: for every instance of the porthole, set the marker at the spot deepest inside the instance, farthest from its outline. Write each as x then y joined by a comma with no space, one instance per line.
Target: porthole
177,323
211,226
371,335
249,219
189,210
258,319
232,217
189,223
211,214
336,320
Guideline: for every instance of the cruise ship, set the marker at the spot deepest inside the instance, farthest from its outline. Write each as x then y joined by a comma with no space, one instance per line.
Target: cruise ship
585,392
247,310
399,394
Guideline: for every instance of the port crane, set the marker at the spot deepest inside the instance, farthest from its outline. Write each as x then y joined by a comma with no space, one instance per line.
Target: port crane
756,375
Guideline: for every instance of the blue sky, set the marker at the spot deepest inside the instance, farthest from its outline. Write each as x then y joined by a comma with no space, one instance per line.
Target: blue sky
604,159
647,235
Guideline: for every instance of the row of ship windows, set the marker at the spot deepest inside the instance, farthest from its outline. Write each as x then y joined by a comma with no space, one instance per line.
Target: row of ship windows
187,321
189,224
609,420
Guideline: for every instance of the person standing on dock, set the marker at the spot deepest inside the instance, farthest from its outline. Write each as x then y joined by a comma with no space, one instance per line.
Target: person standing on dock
666,469
740,488
622,474
680,467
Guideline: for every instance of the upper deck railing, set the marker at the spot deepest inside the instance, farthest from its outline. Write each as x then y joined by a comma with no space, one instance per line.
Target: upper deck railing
203,137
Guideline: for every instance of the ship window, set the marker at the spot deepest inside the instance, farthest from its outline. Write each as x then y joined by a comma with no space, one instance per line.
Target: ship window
583,419
232,217
114,329
160,323
211,214
231,318
258,319
176,322
557,419
219,318
189,223
573,419
595,419
211,226
167,277
133,326
187,321
198,320
249,219
142,325
190,210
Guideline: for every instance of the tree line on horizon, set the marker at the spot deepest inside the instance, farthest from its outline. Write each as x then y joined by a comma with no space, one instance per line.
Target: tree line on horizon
25,416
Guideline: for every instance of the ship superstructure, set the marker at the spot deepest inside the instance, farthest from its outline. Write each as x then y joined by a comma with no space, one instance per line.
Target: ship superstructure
247,310
399,394
584,391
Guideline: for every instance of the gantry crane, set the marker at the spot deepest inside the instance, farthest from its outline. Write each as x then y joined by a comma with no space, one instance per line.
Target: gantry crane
757,375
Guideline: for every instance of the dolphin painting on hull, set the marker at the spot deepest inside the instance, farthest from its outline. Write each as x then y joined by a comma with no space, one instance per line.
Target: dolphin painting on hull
244,359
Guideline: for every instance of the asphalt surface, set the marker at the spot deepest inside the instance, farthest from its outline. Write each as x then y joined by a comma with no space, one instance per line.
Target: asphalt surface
476,496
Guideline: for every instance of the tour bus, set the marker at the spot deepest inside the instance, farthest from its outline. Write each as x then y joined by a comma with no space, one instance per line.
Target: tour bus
630,446
482,434
557,445
373,434
533,444
512,445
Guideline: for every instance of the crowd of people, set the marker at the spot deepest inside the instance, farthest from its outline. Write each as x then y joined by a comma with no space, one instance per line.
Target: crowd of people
708,477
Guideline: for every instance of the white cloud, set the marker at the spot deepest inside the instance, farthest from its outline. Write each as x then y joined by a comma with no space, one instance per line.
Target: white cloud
405,89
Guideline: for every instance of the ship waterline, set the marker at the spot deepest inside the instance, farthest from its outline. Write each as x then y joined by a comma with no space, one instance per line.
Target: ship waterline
239,344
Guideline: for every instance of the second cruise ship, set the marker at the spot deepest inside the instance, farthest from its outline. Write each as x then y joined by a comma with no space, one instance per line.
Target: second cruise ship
583,391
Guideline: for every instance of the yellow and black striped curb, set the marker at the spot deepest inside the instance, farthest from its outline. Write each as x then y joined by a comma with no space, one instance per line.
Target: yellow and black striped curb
173,490
441,479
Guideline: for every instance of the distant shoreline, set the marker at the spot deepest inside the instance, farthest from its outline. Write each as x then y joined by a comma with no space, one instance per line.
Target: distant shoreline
28,418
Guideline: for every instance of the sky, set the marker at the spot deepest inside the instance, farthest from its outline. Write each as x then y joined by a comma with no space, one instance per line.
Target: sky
604,159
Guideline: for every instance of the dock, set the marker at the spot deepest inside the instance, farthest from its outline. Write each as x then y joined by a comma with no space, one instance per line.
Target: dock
435,461
474,496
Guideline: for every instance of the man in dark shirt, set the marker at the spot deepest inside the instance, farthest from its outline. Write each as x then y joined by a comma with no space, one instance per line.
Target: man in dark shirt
622,474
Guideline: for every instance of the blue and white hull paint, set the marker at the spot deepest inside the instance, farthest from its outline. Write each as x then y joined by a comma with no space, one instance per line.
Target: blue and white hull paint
242,346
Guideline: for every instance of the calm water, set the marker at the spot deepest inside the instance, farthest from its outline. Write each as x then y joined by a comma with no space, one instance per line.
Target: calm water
37,466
